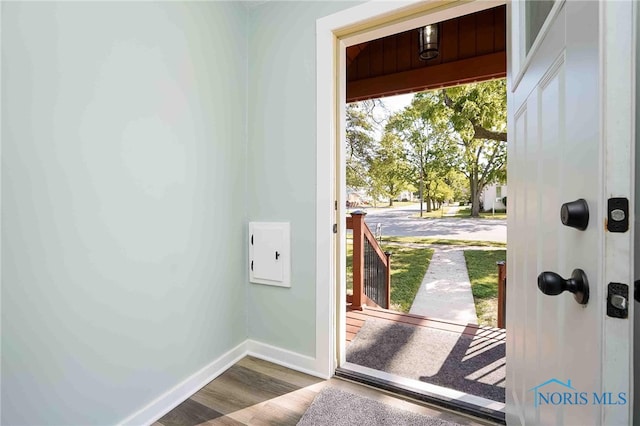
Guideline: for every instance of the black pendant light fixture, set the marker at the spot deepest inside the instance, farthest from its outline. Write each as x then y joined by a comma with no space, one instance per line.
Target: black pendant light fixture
429,41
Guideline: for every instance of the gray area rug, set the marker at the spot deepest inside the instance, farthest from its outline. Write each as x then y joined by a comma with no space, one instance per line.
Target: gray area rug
333,406
471,364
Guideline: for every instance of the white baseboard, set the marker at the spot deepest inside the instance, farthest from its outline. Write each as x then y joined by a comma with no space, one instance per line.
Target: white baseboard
293,360
182,391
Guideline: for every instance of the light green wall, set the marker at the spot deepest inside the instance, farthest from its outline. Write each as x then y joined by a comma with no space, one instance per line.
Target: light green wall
123,205
138,139
282,161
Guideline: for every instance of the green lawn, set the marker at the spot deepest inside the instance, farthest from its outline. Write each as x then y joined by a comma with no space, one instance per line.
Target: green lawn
483,273
408,266
444,242
462,213
496,215
433,214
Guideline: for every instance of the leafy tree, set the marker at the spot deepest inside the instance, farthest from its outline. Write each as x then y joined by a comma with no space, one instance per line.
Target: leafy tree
445,133
441,192
484,162
364,121
479,116
476,117
388,168
430,149
359,147
459,184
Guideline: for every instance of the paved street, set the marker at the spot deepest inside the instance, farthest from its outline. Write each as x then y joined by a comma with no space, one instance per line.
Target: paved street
398,222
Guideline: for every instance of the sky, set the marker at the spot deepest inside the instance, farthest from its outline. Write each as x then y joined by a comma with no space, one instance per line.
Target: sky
398,102
393,104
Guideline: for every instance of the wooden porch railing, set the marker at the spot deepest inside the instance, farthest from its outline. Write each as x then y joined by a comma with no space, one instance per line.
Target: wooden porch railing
502,293
371,266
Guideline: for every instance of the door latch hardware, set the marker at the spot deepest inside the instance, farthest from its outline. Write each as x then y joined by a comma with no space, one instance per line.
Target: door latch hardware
618,300
553,284
277,255
575,214
617,215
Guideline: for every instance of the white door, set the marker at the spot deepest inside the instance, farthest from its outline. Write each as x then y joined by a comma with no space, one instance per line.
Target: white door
571,120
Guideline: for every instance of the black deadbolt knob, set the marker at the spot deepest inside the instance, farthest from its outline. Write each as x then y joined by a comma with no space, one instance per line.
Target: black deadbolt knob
553,284
575,214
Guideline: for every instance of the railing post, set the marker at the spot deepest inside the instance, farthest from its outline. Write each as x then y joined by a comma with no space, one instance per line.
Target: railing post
358,259
388,278
502,293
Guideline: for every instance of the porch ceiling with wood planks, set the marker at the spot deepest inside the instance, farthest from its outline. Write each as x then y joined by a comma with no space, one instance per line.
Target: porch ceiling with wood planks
472,48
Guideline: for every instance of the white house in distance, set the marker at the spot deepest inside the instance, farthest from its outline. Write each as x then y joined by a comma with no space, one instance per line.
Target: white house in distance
406,195
492,197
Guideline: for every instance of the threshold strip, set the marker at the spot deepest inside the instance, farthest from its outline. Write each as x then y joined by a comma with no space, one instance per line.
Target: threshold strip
438,395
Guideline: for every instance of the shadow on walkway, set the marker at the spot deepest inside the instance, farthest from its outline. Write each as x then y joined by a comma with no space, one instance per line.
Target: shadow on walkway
472,361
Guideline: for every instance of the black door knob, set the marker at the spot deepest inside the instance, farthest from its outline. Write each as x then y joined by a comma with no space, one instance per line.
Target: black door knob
553,284
575,214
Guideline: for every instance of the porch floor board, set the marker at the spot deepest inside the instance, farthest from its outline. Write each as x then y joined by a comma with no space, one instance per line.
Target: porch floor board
356,319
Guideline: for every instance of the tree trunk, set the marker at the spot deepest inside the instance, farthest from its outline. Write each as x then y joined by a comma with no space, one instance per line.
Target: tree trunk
475,193
475,204
390,202
421,183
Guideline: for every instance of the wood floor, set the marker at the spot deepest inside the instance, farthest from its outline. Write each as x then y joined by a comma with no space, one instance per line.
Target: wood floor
256,392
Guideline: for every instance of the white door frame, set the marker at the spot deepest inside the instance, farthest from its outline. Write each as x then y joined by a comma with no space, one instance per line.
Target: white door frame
334,34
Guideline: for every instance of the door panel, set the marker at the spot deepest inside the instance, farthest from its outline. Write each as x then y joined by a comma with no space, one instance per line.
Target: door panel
550,96
558,360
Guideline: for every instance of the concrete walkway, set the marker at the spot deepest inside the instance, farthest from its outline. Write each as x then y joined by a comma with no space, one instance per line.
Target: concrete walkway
445,292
